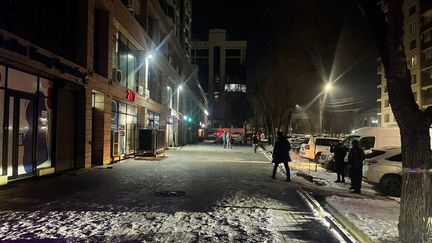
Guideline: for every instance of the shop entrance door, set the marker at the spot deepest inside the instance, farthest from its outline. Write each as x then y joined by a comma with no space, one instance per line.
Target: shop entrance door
19,137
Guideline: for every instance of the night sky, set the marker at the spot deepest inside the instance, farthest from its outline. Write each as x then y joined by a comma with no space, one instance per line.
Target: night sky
346,33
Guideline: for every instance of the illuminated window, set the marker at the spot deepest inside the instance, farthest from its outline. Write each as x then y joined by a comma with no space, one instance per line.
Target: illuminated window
235,88
412,27
413,61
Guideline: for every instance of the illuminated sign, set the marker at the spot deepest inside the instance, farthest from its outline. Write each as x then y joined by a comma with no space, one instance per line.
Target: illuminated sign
131,96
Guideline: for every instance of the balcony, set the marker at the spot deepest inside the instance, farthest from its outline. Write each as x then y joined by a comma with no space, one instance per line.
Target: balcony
426,63
427,98
426,80
425,45
426,26
425,5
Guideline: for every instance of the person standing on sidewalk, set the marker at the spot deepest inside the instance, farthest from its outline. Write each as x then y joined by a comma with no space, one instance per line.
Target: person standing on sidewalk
228,140
281,155
340,152
224,139
355,159
255,142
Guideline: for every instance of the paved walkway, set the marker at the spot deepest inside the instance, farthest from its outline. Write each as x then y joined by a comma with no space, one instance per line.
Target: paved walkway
228,196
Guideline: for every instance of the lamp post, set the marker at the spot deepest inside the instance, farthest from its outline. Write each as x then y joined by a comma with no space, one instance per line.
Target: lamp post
327,89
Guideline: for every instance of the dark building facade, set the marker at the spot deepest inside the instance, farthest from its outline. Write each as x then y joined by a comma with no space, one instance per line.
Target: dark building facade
222,74
80,78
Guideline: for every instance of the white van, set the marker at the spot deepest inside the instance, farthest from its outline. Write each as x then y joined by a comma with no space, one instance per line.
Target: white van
369,137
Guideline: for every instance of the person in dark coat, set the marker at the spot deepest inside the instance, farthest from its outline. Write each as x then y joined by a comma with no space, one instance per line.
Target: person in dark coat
281,155
355,159
340,152
255,142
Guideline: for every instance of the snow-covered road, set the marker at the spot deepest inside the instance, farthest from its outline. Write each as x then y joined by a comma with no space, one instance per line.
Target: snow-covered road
229,196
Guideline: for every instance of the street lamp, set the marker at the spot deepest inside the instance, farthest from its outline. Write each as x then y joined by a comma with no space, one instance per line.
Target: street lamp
323,95
328,87
147,71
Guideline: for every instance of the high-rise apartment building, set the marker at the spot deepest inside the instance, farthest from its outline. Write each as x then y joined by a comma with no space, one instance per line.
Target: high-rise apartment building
79,80
222,74
418,51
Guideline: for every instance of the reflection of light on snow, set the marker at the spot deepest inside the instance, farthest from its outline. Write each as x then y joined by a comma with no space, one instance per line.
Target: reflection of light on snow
323,218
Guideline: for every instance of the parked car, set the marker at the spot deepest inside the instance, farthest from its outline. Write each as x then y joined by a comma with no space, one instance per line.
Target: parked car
297,142
368,137
330,164
384,170
315,146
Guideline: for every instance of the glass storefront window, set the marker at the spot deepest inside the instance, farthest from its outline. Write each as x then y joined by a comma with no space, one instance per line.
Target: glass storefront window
1,122
153,120
132,110
43,157
124,123
122,131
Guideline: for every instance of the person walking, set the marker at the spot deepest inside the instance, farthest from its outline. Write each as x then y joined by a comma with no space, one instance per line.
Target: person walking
228,140
255,142
281,155
224,139
355,159
340,152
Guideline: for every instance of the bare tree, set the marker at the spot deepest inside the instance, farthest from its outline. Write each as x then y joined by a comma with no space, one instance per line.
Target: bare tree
415,224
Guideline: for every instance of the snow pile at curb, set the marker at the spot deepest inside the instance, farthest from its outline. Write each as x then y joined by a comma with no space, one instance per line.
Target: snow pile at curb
376,218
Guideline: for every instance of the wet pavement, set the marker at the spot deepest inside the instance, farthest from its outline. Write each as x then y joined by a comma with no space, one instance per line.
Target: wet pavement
200,193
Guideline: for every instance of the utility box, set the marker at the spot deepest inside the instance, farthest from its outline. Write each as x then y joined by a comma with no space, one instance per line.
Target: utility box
151,142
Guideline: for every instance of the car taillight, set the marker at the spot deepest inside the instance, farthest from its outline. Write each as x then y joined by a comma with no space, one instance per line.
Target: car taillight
307,147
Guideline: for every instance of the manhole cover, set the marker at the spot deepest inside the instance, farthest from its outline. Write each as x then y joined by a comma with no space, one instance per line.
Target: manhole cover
170,194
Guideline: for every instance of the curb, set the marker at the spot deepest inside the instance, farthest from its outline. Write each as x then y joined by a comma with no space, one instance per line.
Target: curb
332,222
337,220
358,234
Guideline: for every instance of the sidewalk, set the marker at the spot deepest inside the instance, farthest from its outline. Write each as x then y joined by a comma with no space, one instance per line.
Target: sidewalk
374,214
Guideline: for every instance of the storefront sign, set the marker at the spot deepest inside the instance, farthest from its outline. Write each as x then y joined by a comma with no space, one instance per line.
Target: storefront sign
130,96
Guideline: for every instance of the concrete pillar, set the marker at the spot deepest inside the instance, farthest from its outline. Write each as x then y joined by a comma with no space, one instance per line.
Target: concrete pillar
106,159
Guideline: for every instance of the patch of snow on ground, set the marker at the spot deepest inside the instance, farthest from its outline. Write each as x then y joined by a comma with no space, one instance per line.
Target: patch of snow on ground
235,219
377,218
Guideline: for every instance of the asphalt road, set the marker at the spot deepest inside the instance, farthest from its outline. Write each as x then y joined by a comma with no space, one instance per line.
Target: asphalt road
200,193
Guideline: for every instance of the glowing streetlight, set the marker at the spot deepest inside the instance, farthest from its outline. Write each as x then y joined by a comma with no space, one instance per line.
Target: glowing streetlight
206,112
328,87
149,56
180,87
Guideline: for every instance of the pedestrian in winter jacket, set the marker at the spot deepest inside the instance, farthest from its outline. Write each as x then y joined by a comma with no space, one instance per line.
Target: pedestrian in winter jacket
355,159
340,152
281,155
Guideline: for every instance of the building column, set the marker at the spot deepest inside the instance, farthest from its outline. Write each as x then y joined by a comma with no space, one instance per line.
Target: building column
107,131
